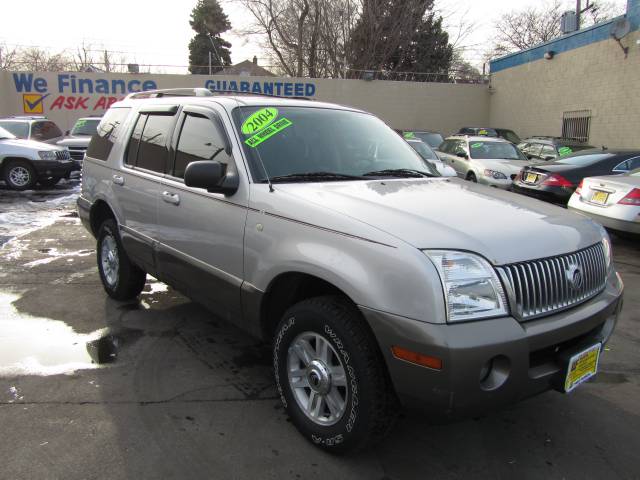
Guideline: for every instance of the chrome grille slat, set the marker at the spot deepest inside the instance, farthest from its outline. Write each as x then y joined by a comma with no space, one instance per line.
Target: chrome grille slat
544,286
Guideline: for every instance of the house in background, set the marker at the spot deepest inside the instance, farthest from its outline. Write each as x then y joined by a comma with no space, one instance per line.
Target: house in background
246,69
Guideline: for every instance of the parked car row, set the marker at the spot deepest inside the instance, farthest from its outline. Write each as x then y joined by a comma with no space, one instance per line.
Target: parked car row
34,150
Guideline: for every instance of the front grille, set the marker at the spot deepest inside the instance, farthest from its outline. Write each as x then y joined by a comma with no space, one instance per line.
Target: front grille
545,286
77,153
62,155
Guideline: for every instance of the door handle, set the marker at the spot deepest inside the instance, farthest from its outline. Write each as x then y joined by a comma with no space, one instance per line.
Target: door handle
171,197
118,180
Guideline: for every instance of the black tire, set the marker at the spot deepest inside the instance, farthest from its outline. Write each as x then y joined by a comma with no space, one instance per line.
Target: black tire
128,280
472,177
19,175
371,406
49,182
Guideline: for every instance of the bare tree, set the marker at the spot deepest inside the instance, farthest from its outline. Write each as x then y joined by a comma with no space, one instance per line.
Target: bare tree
40,60
304,37
8,57
522,29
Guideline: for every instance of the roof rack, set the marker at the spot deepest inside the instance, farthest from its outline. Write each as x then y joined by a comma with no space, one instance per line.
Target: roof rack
27,117
171,92
198,92
551,137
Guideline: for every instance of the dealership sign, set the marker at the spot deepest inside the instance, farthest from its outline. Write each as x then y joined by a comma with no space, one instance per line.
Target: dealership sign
70,91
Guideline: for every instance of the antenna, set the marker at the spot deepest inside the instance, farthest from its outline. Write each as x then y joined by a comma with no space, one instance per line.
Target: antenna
256,152
619,30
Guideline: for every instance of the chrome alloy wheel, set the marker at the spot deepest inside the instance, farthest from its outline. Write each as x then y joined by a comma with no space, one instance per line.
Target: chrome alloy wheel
109,260
19,176
317,378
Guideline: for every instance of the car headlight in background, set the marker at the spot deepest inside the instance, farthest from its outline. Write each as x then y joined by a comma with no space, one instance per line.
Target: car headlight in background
47,155
471,286
495,174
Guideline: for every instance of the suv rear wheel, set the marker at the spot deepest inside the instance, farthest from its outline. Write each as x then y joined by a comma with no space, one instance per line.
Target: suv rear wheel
19,175
331,376
121,279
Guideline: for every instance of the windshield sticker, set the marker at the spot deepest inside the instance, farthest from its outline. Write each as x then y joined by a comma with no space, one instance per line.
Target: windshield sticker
476,145
409,135
81,123
259,120
482,132
268,132
564,151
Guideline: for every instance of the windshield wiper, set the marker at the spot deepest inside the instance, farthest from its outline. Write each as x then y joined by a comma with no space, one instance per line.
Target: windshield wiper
399,172
311,176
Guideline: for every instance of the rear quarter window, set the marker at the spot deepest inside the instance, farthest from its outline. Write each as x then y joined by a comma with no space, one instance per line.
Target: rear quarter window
109,130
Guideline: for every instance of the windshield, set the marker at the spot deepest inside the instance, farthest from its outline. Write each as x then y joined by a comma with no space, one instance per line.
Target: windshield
6,134
495,150
583,160
85,127
424,150
19,129
432,139
296,140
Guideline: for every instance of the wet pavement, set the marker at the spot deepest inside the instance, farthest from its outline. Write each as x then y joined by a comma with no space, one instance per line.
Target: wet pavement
159,388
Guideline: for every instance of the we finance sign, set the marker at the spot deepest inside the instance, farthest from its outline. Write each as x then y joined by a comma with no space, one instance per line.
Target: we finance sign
74,92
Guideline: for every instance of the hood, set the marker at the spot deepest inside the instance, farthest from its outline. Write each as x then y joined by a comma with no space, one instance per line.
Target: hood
75,141
453,214
32,144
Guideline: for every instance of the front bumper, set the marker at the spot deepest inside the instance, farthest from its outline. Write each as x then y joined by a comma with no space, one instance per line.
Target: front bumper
559,195
530,354
52,168
493,182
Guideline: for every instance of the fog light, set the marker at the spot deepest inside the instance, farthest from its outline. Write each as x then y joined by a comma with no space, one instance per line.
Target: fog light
495,372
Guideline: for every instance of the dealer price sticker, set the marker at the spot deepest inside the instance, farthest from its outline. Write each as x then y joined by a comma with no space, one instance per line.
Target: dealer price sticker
582,367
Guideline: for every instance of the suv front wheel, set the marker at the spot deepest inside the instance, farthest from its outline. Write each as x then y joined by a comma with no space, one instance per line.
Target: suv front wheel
121,279
331,376
19,175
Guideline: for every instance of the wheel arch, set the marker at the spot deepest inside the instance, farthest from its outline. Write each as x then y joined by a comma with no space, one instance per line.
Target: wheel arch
100,211
287,289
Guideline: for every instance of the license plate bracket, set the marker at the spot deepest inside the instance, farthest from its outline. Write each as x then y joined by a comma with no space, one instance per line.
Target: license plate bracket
581,367
600,197
531,178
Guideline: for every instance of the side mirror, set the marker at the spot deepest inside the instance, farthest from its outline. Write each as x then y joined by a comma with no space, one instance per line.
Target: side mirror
462,154
212,176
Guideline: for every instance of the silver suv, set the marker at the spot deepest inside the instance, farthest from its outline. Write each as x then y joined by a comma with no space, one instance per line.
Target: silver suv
379,283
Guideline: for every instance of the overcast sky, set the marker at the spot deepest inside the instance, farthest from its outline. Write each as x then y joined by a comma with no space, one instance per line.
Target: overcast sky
157,33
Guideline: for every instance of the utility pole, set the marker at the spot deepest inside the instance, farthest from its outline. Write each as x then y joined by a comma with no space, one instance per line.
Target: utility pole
209,62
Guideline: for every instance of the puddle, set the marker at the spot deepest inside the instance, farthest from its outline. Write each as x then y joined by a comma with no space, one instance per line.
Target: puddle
41,346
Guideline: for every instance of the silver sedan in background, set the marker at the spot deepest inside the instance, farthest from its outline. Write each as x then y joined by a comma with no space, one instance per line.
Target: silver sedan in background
611,200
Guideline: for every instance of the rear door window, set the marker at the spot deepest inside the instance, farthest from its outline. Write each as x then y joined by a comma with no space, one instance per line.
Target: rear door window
148,147
200,139
548,151
108,132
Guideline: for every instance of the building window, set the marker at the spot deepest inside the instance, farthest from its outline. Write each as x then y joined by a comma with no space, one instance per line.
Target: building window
576,124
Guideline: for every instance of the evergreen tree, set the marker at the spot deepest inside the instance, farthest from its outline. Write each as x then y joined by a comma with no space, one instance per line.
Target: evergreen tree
209,21
400,36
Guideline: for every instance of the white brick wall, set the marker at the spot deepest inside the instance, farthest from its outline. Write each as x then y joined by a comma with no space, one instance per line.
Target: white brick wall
531,98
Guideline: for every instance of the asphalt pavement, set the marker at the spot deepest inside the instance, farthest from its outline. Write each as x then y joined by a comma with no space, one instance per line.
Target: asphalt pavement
159,388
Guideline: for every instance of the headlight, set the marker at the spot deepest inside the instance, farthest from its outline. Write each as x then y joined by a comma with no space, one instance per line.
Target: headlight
48,155
471,287
495,174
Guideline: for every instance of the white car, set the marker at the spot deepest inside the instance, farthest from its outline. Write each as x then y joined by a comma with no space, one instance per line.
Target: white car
429,155
491,161
25,162
611,200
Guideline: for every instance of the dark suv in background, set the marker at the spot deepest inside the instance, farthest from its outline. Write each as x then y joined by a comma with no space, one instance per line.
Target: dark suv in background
508,135
551,148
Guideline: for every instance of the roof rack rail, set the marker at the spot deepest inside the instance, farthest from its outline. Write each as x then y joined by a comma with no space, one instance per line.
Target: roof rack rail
27,117
171,92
